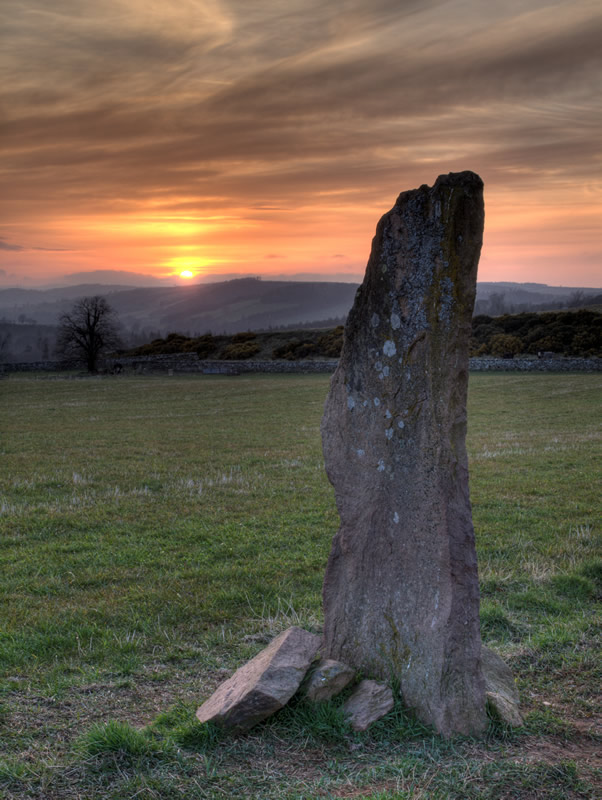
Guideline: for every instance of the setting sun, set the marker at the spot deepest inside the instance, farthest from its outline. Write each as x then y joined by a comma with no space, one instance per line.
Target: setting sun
186,273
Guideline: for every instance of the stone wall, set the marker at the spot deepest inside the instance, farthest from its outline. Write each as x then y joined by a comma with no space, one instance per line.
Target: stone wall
38,366
189,363
560,364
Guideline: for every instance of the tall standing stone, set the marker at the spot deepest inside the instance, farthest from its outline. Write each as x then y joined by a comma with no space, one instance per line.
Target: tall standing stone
401,594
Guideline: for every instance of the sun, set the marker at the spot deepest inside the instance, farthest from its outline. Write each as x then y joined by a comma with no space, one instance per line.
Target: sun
186,273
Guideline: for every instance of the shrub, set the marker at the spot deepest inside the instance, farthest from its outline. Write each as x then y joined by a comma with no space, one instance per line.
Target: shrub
330,343
504,344
243,336
205,345
294,350
240,351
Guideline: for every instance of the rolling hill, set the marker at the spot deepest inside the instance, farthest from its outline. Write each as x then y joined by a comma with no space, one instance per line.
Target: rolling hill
228,307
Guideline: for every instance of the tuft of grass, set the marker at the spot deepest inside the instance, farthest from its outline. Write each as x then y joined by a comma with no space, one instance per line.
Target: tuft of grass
14,773
574,587
316,722
496,624
180,725
118,738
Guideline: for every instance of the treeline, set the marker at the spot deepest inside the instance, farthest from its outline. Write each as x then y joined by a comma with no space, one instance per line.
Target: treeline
497,304
571,333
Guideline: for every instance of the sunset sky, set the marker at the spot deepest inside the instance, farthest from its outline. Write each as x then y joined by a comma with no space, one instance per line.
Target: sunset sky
266,137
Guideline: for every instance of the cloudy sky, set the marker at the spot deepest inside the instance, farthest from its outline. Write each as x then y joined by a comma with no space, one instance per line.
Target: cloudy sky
268,136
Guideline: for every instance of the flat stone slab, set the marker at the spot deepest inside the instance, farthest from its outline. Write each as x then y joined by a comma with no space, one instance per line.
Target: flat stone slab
500,689
368,703
328,679
263,685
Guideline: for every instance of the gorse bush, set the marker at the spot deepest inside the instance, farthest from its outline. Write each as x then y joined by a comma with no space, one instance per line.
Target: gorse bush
572,333
243,336
294,350
240,351
504,344
178,343
205,345
330,343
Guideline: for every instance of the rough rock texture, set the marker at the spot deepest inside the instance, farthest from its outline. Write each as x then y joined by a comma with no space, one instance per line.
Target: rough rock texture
401,595
500,688
370,701
328,679
263,685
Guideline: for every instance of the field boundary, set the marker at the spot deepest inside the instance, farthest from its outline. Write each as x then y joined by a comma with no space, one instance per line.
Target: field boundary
190,363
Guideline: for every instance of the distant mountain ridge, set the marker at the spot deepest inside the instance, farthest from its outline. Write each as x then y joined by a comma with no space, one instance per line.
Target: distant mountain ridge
225,307
246,304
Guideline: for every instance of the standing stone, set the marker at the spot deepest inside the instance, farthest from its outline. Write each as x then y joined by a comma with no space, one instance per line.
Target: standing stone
263,685
401,594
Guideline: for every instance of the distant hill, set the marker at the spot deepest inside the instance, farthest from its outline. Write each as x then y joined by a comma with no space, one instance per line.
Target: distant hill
240,305
224,307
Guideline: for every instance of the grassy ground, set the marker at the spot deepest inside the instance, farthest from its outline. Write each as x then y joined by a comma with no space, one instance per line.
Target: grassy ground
157,532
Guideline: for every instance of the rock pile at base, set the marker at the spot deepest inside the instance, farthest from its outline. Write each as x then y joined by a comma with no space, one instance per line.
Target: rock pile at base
266,683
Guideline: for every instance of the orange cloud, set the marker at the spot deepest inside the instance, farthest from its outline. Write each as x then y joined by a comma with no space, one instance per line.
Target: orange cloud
144,138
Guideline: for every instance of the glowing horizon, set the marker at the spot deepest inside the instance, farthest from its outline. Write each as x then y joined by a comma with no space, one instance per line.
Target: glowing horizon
218,139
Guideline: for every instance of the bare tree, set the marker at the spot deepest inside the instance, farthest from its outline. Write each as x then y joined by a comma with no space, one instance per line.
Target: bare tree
497,304
88,331
576,299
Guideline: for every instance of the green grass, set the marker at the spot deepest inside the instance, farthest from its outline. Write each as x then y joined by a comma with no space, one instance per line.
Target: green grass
157,532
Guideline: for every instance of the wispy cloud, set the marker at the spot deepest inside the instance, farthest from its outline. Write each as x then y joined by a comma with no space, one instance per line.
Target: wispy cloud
14,248
290,113
18,248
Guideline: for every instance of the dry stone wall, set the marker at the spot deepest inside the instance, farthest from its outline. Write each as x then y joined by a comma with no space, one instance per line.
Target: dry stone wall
189,363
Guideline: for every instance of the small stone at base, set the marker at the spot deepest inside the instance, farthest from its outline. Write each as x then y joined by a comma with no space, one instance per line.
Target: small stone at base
369,702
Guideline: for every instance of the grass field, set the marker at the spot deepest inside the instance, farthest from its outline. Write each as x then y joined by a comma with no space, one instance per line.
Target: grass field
157,532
